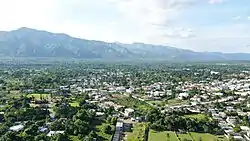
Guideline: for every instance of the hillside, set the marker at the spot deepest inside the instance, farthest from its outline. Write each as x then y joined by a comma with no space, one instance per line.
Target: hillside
26,42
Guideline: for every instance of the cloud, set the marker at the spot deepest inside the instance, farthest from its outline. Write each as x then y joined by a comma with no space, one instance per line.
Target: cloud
216,1
180,33
248,17
152,12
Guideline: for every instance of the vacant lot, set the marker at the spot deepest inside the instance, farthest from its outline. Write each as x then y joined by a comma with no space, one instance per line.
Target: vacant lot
197,116
162,136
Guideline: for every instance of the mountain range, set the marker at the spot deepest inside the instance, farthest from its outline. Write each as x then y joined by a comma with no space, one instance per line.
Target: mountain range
27,42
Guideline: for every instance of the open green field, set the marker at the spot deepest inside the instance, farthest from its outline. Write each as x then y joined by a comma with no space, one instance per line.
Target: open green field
74,104
162,136
185,137
137,133
174,102
170,136
197,116
38,96
133,103
207,137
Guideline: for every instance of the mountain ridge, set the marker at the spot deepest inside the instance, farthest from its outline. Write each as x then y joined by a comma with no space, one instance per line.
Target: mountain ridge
27,42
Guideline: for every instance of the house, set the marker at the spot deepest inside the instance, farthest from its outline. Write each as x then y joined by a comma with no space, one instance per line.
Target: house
238,138
128,112
231,120
52,133
119,125
183,96
17,128
42,129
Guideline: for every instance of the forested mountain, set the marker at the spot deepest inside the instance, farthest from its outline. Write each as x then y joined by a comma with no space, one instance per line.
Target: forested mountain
26,42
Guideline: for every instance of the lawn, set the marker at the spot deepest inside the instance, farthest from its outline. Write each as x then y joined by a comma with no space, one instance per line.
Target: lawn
74,104
162,136
175,102
38,96
197,116
138,132
207,137
185,137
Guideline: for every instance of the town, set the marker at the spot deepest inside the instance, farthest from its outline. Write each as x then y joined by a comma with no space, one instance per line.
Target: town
125,102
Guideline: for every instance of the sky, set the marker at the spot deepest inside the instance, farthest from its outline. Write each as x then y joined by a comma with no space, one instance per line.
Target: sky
199,25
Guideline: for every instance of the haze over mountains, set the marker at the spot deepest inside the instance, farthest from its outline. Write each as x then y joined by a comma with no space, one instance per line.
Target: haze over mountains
26,42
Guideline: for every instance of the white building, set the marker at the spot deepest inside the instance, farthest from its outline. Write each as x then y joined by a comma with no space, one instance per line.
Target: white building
128,112
183,95
52,133
17,128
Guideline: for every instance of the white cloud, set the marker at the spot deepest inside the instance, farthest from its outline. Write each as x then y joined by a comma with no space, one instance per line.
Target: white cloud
151,11
248,18
180,33
216,1
15,13
149,21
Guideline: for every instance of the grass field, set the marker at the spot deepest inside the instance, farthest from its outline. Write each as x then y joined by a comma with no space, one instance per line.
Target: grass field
74,104
170,136
137,133
133,103
185,137
162,136
207,137
197,116
174,102
37,96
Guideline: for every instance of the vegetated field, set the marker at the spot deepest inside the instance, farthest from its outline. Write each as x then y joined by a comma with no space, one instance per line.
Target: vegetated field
170,136
100,131
74,138
185,137
138,132
133,103
207,137
173,102
197,116
162,136
38,96
74,104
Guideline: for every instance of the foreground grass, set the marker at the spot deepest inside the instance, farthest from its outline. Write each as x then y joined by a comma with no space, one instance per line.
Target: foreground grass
207,137
185,137
170,136
138,132
162,136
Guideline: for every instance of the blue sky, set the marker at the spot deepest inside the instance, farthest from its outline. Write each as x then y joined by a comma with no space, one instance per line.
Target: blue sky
200,25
